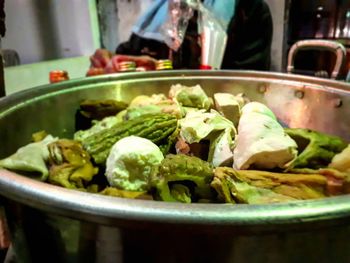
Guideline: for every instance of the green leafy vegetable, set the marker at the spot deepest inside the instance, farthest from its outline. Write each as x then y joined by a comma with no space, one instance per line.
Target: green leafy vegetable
190,96
30,158
70,164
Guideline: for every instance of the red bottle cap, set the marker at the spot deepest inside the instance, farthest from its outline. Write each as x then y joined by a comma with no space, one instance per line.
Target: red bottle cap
205,67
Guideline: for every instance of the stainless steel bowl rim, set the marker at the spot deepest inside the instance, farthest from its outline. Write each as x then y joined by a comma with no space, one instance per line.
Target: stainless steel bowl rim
100,209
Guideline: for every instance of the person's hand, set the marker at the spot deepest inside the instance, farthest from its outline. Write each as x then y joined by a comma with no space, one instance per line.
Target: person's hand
100,58
145,62
104,62
95,72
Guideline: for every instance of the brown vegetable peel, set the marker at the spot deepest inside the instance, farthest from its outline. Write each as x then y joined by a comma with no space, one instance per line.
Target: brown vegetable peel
250,186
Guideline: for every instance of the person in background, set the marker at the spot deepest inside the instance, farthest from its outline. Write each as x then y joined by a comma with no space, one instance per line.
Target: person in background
249,30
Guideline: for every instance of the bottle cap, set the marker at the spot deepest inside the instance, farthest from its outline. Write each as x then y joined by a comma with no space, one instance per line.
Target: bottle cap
205,67
127,66
164,64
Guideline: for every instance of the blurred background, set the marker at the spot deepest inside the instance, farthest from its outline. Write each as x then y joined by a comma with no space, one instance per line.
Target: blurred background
45,35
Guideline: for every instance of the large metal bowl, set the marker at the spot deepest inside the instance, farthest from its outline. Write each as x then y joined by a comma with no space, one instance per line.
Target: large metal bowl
52,224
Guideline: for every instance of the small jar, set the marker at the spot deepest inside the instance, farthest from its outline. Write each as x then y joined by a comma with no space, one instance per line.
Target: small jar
127,66
58,76
164,64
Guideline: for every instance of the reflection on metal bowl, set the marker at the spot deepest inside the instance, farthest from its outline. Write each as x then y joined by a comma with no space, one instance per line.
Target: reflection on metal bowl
52,224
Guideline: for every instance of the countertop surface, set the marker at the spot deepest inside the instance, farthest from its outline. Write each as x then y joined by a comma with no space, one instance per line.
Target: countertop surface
22,77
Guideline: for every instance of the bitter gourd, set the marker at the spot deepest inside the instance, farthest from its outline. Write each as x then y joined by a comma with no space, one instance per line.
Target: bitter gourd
177,174
316,149
155,127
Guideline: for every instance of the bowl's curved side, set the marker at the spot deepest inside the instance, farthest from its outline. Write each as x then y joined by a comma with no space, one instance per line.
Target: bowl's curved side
115,211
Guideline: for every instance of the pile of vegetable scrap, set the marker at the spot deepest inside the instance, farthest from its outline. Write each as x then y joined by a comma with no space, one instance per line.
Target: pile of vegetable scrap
187,147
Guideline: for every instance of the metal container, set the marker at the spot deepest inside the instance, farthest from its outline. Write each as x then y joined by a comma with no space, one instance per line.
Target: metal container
53,224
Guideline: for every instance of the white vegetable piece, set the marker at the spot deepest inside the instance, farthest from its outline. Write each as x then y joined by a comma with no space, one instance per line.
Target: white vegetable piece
258,108
229,106
221,149
198,125
261,141
144,100
212,126
341,161
132,162
193,96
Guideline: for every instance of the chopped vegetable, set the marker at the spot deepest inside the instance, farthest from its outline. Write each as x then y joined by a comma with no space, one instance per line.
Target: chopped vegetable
188,171
181,193
229,106
212,126
155,127
144,100
250,186
234,191
39,136
111,191
190,96
341,161
157,103
261,142
133,146
134,112
99,109
70,164
104,124
221,149
337,182
198,125
30,158
315,149
132,162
